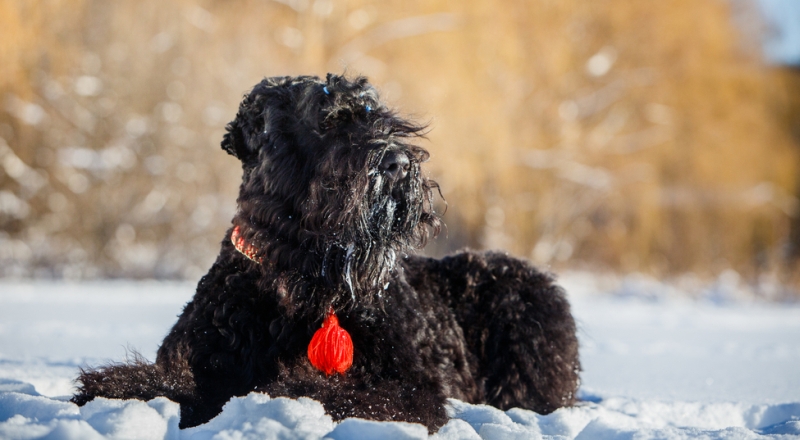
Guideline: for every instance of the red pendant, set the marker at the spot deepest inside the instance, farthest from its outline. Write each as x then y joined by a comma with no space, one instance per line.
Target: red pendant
331,348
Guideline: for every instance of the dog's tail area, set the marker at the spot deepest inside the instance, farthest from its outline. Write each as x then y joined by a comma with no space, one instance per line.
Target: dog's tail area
136,379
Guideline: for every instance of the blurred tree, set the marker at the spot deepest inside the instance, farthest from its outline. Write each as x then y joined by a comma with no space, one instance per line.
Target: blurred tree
612,134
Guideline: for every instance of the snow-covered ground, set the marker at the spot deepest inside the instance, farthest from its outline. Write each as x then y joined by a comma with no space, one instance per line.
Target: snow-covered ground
657,364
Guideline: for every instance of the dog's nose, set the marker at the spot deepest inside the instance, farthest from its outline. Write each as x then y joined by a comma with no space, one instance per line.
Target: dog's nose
394,165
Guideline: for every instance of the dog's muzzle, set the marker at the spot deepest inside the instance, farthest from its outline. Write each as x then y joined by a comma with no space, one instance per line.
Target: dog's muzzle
394,165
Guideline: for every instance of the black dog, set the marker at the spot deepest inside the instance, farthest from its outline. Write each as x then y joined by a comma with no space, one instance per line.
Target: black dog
332,198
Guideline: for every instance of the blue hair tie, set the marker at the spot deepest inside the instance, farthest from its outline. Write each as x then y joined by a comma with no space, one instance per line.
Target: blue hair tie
325,89
369,109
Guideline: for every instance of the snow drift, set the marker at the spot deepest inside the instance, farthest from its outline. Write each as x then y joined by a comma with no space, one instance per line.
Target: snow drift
257,416
656,365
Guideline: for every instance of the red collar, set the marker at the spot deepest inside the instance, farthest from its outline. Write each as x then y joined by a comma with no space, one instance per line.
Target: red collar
245,248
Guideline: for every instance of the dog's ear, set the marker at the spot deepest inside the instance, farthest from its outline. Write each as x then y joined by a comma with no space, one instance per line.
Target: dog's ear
233,142
258,116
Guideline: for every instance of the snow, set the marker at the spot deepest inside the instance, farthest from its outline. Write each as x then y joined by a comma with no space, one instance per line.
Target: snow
658,363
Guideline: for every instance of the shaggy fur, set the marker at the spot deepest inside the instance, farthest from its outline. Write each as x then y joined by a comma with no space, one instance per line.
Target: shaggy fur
333,199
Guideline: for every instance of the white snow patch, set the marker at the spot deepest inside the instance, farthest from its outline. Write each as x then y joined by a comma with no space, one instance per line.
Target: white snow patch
657,364
368,429
257,416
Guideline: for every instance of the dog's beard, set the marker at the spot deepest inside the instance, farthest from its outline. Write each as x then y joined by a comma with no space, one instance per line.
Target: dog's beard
383,227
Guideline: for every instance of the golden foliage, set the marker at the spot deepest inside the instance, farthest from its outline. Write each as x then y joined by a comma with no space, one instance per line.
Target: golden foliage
626,135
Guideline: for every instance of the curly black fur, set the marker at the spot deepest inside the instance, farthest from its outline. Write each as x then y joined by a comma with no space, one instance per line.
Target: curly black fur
333,199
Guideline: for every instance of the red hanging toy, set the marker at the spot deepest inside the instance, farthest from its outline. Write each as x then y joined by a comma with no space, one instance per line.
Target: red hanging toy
331,348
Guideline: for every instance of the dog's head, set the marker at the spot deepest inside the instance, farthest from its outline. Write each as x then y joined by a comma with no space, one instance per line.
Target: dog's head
332,185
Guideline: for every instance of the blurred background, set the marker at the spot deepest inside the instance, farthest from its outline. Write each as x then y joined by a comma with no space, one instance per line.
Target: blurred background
606,135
